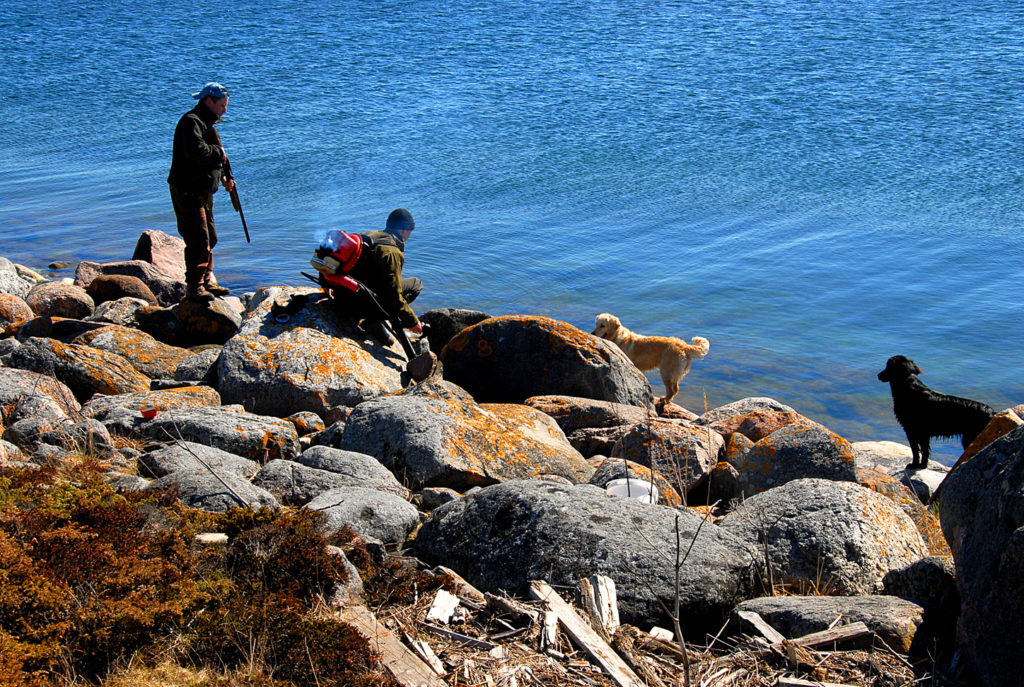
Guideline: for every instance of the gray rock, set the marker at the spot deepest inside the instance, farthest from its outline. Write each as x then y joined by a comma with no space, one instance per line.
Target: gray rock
188,455
923,482
681,451
930,581
27,433
351,590
256,437
444,323
57,299
50,454
11,282
433,434
295,484
331,436
795,452
111,287
370,513
152,358
9,451
306,422
35,407
509,359
18,385
217,493
13,309
981,509
742,407
430,498
120,482
120,312
314,361
573,413
357,469
167,290
891,456
616,468
596,441
896,621
87,436
163,251
502,536
201,366
207,322
837,537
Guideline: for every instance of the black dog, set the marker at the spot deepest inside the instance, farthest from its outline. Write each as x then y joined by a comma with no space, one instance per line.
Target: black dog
924,413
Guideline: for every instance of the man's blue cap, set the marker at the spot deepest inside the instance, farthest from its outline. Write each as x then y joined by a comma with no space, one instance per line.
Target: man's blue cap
212,89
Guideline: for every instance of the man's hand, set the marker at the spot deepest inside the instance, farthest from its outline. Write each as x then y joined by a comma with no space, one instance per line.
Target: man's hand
229,184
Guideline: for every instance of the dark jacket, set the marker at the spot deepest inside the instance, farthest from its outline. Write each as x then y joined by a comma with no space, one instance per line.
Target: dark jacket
196,157
380,268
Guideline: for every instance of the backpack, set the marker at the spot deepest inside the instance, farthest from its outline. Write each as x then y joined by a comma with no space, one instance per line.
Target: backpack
337,254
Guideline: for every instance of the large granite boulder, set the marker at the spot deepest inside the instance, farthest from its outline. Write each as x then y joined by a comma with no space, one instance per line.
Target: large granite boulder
295,484
982,513
681,451
444,323
896,621
163,251
84,369
931,582
315,360
434,434
205,322
46,327
188,455
167,290
889,456
216,492
742,407
102,407
11,282
199,366
147,355
509,359
760,423
121,311
795,451
57,299
13,309
17,385
608,469
832,537
371,514
112,287
257,437
503,536
356,469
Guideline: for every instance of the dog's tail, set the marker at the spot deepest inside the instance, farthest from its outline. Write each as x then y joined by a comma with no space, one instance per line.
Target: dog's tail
699,348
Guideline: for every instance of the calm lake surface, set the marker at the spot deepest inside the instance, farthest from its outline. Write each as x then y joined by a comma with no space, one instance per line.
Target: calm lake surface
812,186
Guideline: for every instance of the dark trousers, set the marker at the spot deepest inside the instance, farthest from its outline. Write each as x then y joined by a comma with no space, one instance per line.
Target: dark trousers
194,213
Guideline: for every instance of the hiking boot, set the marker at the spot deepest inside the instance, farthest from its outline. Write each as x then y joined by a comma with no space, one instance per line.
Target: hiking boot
198,292
216,289
377,330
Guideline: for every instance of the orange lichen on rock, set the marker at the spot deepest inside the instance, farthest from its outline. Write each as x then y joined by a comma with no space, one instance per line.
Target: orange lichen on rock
926,522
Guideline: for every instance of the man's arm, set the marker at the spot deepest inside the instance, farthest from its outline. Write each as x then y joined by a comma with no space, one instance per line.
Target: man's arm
196,148
393,299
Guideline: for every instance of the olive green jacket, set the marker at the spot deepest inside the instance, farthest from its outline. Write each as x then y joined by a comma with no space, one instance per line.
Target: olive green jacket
380,268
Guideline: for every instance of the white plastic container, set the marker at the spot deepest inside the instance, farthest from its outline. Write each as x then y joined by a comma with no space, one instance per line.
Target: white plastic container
633,488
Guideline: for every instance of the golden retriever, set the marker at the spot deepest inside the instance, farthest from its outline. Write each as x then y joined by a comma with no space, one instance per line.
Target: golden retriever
670,355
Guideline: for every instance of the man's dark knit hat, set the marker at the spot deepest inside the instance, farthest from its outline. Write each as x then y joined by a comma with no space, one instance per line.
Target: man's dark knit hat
400,220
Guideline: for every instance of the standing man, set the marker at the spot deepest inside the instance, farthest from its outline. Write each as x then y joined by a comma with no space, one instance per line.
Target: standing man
196,163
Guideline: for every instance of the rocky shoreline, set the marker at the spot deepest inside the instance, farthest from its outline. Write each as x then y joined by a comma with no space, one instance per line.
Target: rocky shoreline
496,466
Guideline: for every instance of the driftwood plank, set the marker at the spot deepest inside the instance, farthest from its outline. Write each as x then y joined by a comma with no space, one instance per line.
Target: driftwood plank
424,651
836,634
759,623
462,588
405,666
583,634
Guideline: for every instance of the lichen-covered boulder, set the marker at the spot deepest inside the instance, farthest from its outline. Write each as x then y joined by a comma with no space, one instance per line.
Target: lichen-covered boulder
1002,424
199,366
86,436
101,407
46,327
509,359
759,423
111,287
17,385
574,412
257,437
795,451
314,361
931,582
835,537
356,469
11,282
608,469
147,355
444,323
163,251
981,508
927,524
596,441
502,536
306,422
188,455
57,299
167,290
890,456
742,407
434,434
121,311
371,514
13,309
896,621
683,452
84,369
295,484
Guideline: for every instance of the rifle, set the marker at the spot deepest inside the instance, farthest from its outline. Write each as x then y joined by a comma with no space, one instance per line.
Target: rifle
226,173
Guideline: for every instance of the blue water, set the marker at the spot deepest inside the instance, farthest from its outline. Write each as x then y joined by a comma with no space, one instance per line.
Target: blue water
813,186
